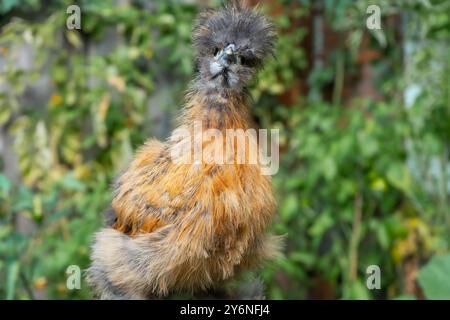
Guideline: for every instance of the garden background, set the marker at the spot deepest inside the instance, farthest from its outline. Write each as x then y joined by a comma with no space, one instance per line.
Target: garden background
364,118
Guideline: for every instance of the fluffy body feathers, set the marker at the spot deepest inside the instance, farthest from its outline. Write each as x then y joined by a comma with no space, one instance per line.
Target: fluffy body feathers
187,227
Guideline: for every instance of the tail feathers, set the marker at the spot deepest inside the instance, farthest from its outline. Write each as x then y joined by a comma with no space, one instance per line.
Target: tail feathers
123,267
265,248
271,247
150,266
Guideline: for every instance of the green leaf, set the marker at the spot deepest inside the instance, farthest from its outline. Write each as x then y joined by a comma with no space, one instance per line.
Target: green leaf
357,291
434,278
5,185
329,168
7,5
399,175
322,224
289,207
304,258
11,278
5,230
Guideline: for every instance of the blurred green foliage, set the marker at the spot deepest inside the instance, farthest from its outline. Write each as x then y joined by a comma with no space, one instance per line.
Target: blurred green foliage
358,185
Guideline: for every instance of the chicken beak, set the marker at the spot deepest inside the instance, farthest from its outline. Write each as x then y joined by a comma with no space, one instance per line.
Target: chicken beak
229,50
227,55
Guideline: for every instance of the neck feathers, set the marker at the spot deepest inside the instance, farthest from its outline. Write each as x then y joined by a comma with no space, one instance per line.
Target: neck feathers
217,111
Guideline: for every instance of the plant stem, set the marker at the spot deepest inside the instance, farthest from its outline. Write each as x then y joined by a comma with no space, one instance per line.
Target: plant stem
354,240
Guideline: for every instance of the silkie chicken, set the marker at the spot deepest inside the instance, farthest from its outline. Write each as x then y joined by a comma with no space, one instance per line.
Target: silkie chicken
187,227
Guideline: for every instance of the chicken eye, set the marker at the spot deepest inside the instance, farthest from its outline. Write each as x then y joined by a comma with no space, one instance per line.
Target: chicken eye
246,61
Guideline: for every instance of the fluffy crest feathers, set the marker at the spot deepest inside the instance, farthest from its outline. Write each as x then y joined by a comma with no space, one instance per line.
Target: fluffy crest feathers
236,23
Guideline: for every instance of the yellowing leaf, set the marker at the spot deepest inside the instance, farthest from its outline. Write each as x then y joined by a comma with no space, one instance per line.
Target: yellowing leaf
55,100
4,51
74,38
40,283
378,184
61,288
117,82
103,107
37,206
148,53
82,171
